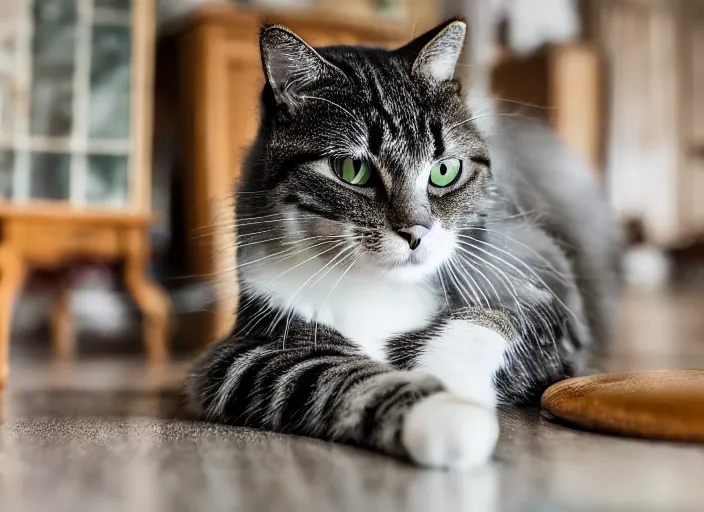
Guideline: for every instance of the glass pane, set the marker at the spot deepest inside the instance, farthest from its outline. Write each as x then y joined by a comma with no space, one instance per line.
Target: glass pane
49,176
52,80
121,6
6,174
7,58
107,179
109,116
54,11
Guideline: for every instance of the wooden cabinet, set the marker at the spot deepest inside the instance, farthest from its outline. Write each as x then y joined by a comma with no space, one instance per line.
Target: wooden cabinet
656,115
562,85
220,80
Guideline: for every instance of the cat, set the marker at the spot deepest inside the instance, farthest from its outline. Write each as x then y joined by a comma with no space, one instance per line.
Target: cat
401,272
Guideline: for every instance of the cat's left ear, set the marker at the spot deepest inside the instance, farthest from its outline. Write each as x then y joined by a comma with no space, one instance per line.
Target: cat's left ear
436,52
291,66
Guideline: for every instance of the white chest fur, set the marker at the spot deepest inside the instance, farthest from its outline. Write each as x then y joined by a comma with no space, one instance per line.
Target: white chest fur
362,306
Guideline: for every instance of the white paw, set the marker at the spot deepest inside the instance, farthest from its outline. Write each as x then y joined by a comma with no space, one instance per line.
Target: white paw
445,431
465,358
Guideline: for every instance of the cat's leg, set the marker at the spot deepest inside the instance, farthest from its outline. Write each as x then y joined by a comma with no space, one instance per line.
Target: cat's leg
489,356
463,349
333,392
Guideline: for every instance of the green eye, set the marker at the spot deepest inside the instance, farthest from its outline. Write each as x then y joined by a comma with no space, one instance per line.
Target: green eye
445,173
354,172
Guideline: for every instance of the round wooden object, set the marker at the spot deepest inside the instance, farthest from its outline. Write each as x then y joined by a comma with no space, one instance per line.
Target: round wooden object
654,404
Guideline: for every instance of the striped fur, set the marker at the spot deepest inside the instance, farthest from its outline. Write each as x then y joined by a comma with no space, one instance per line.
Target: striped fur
347,333
331,391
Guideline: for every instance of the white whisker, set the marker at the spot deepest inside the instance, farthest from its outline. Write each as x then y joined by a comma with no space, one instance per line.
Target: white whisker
537,277
331,102
322,308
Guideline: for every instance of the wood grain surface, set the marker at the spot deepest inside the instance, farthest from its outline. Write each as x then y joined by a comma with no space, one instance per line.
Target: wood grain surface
667,404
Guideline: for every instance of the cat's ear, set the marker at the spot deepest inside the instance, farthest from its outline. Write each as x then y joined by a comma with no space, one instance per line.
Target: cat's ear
291,66
435,53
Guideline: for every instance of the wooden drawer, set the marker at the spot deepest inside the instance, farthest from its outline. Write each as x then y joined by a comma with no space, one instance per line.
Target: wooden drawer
50,242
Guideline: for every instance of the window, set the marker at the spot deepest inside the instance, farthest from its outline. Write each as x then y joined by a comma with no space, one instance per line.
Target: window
65,101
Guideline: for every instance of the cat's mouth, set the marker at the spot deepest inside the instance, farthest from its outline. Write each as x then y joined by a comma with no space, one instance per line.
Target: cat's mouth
414,259
398,259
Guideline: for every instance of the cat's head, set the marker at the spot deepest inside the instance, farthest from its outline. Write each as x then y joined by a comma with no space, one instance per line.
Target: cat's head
364,150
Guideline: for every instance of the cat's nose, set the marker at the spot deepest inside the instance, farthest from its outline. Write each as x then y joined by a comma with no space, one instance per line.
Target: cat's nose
413,235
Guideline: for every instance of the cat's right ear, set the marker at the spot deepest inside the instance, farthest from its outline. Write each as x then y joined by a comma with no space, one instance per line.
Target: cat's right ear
435,53
291,66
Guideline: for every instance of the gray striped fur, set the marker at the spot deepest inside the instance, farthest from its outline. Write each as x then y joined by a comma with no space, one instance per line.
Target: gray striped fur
343,336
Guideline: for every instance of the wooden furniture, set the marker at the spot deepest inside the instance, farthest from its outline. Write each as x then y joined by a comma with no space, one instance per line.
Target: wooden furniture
220,82
561,85
39,238
656,115
75,157
665,404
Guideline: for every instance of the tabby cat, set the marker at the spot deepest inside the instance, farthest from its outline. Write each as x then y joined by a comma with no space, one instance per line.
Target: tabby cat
405,263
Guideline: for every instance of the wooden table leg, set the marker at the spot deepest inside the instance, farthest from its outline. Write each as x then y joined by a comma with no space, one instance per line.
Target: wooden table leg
151,299
12,273
63,335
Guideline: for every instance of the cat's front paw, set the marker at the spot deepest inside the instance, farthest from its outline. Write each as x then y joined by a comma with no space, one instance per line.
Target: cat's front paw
445,431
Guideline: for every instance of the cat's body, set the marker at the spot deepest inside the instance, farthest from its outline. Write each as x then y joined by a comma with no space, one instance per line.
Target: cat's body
403,269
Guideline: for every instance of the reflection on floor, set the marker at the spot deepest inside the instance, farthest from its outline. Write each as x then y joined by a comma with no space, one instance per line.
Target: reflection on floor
106,436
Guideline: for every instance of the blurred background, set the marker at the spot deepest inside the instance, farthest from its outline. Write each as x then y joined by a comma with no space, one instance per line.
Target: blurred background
136,106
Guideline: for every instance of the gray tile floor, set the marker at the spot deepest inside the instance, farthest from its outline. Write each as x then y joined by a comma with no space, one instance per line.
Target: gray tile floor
105,436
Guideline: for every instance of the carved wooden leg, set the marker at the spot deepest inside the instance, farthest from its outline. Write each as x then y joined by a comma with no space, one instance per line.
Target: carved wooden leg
63,336
151,299
12,274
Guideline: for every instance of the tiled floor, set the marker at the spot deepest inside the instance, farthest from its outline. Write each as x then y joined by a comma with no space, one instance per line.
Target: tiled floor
105,436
